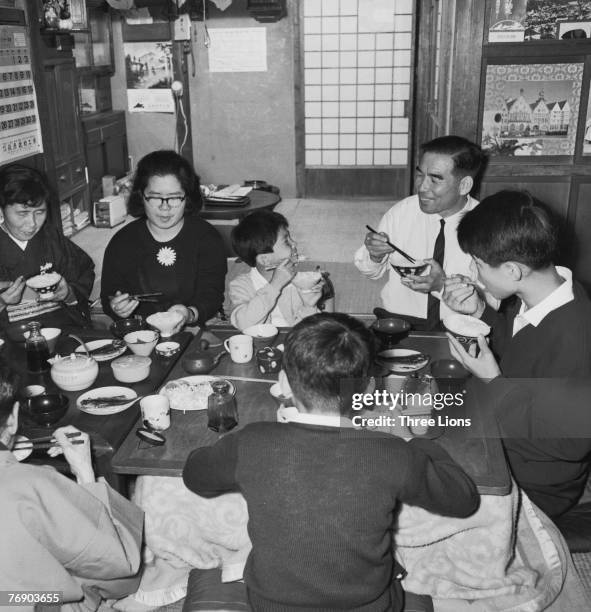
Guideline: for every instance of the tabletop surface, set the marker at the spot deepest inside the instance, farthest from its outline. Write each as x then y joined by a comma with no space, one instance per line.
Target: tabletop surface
482,457
106,432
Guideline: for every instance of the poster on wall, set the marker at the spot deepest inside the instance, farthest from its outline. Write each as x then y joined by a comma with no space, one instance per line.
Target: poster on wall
20,132
148,69
531,109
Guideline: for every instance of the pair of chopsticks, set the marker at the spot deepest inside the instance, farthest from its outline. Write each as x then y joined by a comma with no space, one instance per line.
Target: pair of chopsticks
393,246
44,442
146,297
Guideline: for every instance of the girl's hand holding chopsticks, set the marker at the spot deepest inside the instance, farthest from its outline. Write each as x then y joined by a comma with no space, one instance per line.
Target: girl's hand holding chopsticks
77,455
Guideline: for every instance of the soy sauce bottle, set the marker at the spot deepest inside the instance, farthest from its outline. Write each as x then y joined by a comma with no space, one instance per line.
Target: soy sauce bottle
36,348
222,414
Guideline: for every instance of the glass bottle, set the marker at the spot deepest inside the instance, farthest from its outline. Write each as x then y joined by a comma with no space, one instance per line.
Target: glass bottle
36,348
222,413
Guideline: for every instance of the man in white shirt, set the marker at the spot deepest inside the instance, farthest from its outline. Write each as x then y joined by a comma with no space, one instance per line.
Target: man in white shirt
444,178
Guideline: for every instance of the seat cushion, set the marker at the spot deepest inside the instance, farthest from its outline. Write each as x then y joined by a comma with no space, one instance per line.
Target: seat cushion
575,526
206,591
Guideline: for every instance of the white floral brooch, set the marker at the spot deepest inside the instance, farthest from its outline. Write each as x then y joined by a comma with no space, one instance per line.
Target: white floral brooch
166,256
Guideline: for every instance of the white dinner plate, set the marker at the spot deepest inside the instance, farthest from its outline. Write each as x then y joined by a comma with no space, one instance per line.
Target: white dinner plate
94,344
107,392
22,453
189,393
388,357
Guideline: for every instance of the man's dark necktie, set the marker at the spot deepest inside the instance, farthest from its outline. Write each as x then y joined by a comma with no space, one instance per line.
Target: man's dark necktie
433,319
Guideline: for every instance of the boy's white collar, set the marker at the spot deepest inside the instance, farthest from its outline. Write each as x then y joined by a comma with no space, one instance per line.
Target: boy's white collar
560,296
290,414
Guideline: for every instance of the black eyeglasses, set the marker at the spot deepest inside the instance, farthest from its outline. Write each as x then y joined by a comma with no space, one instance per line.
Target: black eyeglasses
172,201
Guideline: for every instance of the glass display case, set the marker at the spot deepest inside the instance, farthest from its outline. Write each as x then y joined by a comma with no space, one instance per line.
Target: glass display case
94,46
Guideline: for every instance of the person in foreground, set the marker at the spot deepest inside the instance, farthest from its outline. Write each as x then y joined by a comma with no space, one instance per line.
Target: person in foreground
544,328
29,244
82,539
424,226
266,294
322,495
169,249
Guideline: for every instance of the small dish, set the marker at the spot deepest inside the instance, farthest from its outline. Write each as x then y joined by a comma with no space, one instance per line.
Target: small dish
142,342
96,344
403,360
167,349
106,392
22,453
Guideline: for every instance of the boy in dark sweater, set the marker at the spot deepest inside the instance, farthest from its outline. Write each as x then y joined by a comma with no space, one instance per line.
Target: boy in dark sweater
322,495
543,329
542,332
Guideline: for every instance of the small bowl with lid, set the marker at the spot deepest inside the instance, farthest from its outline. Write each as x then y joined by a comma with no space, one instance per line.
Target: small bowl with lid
75,372
131,368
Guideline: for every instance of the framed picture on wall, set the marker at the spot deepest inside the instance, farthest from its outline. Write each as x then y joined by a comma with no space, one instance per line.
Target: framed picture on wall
544,17
531,109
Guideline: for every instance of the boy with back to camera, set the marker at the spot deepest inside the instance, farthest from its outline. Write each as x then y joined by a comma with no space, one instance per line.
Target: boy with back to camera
322,495
544,328
266,294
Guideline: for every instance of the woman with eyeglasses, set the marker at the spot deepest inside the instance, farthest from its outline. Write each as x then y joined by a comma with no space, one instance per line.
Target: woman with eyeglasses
169,249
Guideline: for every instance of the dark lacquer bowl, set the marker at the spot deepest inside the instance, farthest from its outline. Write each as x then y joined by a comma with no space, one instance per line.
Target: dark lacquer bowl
448,368
390,331
409,268
16,331
450,375
125,326
46,410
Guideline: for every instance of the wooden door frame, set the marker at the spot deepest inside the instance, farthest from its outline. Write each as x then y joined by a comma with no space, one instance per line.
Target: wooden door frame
460,66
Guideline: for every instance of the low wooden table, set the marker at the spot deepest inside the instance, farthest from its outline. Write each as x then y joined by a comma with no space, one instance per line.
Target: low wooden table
480,455
107,432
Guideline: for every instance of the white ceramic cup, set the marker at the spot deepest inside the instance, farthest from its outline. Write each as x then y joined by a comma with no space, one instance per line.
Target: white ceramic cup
240,348
156,411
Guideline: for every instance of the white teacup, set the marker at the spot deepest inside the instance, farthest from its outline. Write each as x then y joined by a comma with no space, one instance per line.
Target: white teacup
240,348
156,411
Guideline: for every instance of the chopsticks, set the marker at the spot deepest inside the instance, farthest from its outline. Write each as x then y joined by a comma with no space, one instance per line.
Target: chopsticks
146,297
247,379
411,259
45,441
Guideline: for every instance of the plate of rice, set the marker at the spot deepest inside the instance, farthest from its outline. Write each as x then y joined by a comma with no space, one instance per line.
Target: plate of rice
191,392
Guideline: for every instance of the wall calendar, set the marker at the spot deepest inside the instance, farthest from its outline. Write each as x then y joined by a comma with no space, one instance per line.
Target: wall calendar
20,132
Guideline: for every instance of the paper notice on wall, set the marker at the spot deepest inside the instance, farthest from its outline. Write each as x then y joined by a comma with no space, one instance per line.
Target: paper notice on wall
20,132
375,16
238,49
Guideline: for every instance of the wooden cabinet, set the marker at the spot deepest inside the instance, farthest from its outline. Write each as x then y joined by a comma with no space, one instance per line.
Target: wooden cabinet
106,148
66,144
